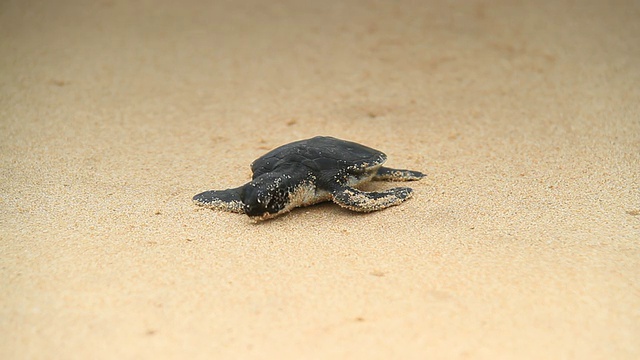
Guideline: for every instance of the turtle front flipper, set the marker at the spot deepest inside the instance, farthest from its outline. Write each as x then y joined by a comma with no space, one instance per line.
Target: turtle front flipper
389,174
362,201
226,200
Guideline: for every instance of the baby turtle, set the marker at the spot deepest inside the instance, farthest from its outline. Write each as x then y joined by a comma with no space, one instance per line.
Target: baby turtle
310,171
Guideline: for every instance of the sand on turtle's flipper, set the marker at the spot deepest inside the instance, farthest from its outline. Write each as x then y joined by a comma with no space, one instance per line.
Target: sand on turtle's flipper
225,200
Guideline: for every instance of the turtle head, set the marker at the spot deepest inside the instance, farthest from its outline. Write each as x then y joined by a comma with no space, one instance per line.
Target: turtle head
265,196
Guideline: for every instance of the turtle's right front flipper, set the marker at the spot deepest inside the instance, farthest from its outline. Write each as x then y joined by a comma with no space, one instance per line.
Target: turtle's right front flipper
226,200
362,201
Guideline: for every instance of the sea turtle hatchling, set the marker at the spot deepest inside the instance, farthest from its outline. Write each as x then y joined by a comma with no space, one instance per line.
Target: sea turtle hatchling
310,171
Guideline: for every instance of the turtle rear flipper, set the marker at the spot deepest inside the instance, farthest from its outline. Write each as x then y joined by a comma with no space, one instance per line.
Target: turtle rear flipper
389,174
227,200
362,201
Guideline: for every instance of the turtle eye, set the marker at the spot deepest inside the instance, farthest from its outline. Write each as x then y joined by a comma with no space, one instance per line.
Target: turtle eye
251,197
262,196
257,201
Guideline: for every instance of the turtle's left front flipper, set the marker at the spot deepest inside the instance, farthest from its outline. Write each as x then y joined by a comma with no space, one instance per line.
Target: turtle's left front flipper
362,201
226,200
389,174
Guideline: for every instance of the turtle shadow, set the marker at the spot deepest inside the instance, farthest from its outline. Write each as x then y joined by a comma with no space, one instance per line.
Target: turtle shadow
323,211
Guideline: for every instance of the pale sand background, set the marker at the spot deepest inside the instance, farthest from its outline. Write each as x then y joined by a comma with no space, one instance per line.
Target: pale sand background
523,242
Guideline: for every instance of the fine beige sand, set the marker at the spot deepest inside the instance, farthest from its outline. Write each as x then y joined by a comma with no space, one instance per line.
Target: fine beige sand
522,243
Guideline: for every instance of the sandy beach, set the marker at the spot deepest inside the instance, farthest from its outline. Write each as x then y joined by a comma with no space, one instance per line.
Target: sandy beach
523,242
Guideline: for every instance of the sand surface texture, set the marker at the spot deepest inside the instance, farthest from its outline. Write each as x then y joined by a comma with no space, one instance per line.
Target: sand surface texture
522,242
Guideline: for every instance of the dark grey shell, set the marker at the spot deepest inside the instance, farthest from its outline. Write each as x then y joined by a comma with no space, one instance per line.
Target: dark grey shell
319,154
